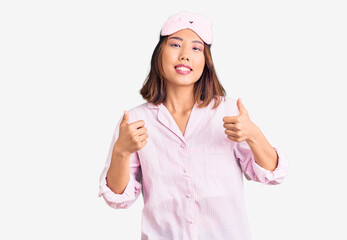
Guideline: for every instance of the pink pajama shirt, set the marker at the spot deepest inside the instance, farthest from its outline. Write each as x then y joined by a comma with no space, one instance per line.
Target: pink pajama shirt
192,184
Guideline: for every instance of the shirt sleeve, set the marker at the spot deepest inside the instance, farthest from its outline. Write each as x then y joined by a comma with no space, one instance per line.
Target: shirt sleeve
255,172
252,170
134,186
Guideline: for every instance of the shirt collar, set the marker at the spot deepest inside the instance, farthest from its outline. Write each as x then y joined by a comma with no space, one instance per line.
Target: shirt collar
164,116
151,105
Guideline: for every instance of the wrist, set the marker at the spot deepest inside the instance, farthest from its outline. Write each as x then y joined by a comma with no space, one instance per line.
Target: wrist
118,151
254,136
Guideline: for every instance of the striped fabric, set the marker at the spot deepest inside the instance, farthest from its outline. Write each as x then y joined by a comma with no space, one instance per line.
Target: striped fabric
192,184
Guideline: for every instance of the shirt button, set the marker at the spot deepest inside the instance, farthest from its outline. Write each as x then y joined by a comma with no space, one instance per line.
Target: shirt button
182,145
187,195
185,171
191,221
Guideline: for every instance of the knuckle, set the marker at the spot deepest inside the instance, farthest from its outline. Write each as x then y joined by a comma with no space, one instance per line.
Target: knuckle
133,138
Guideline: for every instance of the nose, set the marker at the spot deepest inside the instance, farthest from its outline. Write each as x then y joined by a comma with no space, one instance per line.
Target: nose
184,54
184,57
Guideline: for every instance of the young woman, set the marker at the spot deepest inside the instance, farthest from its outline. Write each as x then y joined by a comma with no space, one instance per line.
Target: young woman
187,148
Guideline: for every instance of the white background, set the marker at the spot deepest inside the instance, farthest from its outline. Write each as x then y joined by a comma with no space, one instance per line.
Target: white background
68,69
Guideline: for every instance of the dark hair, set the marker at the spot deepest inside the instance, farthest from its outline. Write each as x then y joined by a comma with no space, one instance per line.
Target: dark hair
205,89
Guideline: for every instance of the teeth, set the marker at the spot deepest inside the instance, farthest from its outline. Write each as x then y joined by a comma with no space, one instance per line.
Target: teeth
183,69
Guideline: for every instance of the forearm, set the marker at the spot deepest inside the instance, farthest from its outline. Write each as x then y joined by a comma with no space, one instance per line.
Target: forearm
264,154
118,173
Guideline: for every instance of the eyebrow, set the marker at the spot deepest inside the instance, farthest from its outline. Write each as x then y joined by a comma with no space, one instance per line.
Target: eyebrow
178,38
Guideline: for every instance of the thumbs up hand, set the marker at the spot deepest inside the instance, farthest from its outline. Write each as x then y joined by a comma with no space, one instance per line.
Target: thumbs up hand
132,137
240,128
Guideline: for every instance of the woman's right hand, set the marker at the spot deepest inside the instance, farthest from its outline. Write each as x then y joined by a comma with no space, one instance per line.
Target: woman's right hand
132,137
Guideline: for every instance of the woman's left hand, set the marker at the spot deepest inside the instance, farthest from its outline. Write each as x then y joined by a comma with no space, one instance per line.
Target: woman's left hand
240,128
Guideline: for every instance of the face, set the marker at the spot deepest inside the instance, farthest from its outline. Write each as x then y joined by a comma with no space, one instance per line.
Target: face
183,58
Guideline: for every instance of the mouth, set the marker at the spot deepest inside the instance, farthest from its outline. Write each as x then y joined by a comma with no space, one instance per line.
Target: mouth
183,69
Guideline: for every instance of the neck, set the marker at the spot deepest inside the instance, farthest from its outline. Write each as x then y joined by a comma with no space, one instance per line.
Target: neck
179,100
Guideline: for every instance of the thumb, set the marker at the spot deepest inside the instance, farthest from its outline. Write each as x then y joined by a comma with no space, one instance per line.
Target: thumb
241,107
125,119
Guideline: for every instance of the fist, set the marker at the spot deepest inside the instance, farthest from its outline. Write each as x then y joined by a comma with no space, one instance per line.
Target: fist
132,137
239,128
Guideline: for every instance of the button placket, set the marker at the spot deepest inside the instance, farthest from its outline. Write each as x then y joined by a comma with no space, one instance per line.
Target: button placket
182,145
188,194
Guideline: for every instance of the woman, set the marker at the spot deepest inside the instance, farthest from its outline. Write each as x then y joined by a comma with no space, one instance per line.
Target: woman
189,160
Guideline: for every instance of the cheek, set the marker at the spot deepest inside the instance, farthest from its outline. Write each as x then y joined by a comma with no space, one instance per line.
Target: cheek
167,59
201,65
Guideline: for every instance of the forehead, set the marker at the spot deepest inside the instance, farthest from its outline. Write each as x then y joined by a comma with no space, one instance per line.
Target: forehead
186,34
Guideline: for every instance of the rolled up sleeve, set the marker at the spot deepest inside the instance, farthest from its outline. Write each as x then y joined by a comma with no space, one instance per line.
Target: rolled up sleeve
134,186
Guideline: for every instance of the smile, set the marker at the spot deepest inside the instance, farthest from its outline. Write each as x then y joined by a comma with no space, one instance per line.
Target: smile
181,69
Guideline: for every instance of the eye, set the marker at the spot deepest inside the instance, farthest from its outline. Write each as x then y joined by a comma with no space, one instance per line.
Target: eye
174,45
196,48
